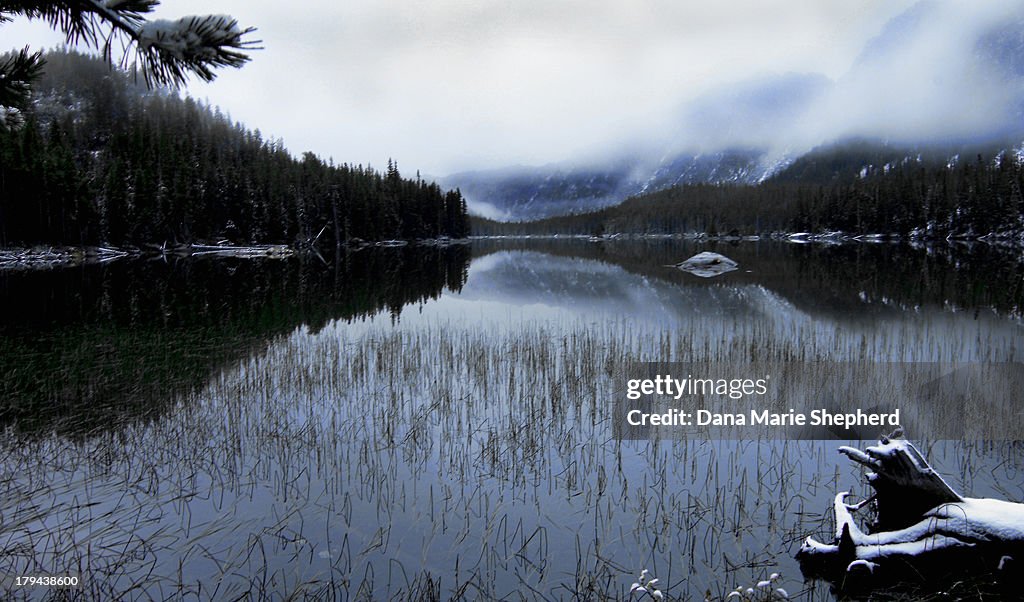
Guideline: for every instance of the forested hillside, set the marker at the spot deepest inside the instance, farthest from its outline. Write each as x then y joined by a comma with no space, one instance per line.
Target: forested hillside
909,196
101,159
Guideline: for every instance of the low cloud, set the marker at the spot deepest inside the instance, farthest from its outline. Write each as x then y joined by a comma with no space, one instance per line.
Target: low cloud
939,72
451,85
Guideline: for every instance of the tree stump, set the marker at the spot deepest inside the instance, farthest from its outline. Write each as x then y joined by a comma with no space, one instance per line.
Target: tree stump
922,526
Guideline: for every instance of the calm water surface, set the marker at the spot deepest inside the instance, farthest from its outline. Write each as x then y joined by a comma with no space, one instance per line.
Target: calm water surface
425,422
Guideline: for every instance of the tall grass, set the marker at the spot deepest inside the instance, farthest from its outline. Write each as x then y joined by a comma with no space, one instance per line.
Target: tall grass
445,458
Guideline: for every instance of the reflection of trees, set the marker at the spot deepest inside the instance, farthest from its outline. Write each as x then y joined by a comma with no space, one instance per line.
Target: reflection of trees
817,278
85,345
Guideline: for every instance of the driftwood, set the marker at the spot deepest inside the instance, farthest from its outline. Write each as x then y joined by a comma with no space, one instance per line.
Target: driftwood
236,251
56,257
922,527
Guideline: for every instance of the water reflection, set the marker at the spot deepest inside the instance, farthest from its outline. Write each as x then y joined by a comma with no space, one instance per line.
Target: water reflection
86,347
391,425
783,294
834,281
87,343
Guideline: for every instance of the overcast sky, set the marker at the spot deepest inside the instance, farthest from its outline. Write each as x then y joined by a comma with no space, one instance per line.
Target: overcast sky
449,85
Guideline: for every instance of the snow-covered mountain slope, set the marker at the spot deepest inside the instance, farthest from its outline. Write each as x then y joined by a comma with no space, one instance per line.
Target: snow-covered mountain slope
743,119
531,193
942,79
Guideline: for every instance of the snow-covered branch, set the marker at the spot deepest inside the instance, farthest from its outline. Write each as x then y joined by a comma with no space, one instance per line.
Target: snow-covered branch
16,74
170,50
167,52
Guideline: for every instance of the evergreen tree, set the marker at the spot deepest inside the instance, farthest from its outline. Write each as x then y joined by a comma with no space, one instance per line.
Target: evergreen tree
173,171
166,52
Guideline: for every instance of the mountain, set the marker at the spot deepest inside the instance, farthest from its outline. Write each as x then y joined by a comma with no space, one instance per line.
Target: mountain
534,192
1002,47
527,193
940,73
940,81
743,119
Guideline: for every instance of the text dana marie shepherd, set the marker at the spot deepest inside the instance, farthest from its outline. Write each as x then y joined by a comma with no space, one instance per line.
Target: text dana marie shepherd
737,388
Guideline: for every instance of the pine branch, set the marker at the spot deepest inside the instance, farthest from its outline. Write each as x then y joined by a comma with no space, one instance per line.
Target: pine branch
172,50
17,72
73,17
168,51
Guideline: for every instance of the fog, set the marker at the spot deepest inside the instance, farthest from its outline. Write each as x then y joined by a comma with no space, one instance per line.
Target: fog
941,72
945,70
452,85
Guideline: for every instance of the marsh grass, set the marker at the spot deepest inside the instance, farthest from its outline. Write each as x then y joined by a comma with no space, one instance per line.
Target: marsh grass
441,458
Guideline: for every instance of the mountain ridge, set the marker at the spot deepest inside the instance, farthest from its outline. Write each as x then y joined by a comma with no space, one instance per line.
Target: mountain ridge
755,130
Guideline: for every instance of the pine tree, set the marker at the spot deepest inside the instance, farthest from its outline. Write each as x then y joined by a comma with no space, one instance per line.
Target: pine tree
172,170
166,52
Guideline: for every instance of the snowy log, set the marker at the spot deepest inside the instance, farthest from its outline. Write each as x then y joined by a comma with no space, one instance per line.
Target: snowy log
241,251
906,486
922,526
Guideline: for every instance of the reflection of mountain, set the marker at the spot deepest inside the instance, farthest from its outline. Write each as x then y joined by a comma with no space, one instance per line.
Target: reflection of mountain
786,302
595,289
93,341
837,282
128,338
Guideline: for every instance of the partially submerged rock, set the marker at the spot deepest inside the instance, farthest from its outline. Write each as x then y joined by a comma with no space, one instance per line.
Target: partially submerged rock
922,528
708,264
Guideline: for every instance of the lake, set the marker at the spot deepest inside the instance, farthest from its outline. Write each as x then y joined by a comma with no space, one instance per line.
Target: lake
437,422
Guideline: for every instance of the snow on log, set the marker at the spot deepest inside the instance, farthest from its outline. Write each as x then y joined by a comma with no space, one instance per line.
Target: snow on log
276,251
707,265
920,522
906,485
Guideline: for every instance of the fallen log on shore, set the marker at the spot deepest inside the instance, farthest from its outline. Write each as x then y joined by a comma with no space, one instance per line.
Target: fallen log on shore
56,257
40,257
242,251
922,529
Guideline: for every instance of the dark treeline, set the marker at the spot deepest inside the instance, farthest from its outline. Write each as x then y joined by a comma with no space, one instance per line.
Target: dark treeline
681,209
828,190
102,160
171,325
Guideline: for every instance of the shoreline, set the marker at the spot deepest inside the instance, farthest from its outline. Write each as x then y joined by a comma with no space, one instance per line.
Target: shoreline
60,256
1015,241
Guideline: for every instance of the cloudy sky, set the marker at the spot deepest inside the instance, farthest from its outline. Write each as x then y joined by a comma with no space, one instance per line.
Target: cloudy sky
448,85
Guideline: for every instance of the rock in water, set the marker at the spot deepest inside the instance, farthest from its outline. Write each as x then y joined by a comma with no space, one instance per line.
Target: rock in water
708,264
